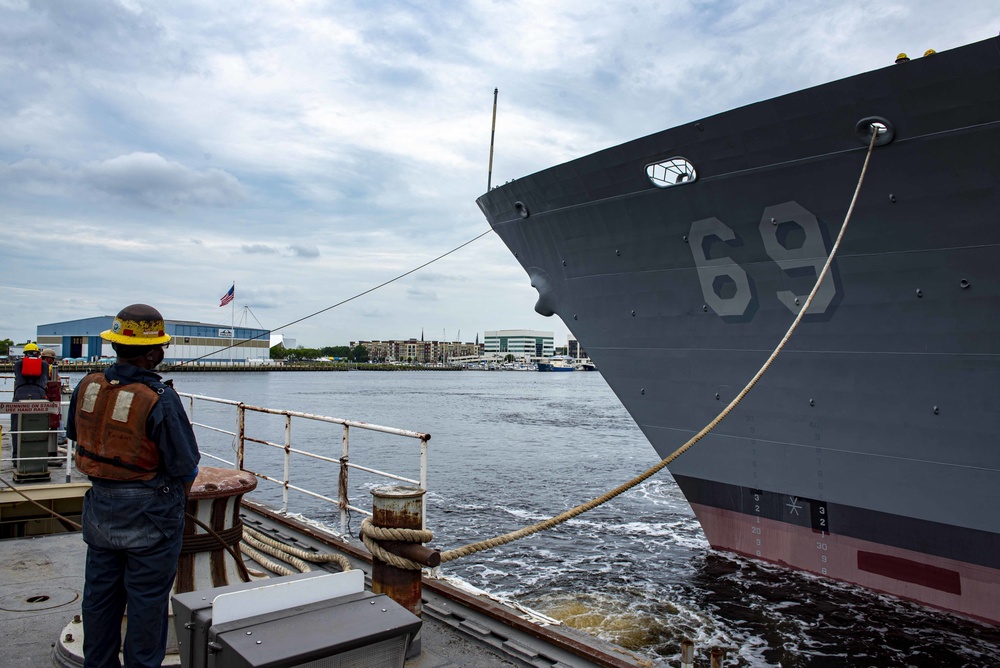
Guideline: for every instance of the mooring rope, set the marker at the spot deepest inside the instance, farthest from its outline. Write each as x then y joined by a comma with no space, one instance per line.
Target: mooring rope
258,542
263,561
370,533
450,555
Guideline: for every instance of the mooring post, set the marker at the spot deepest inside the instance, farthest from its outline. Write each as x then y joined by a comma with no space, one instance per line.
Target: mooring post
718,657
399,507
687,654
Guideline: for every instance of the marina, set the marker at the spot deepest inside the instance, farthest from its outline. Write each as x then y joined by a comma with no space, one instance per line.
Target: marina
510,449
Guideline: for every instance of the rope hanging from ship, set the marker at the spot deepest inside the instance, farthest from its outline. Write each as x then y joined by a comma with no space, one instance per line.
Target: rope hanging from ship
254,543
370,533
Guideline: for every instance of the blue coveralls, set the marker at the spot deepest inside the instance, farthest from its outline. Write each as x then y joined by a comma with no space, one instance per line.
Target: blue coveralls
133,532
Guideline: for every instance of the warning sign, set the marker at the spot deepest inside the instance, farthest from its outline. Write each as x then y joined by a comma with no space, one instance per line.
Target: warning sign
21,407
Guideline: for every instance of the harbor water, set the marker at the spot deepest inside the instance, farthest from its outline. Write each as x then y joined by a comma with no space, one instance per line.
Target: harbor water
512,448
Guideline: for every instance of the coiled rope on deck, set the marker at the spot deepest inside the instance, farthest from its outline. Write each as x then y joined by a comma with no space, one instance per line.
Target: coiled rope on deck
450,555
256,543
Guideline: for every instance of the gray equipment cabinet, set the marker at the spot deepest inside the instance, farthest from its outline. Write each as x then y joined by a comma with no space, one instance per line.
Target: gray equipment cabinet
355,629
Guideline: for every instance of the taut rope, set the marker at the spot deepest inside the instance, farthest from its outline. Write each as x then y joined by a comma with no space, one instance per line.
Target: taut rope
450,555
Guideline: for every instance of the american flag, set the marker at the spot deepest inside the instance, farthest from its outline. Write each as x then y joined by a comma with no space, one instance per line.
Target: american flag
228,297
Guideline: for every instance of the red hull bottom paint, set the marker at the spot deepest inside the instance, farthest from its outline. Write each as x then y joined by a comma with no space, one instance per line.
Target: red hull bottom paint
935,581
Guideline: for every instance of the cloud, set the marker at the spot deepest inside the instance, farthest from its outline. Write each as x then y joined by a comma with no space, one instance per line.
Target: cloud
301,250
259,249
307,144
422,295
151,180
307,251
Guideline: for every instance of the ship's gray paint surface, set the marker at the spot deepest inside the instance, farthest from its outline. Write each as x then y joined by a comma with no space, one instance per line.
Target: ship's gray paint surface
885,402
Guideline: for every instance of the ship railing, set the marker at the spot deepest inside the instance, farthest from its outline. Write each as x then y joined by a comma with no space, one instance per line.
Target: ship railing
241,437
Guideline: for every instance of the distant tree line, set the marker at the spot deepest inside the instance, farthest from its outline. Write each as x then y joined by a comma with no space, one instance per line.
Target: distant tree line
356,354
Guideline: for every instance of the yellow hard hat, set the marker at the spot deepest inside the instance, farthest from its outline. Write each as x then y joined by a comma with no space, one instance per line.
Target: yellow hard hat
137,325
902,58
31,348
929,52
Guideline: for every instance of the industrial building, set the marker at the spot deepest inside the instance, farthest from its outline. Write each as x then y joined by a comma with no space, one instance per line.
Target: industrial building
206,343
523,344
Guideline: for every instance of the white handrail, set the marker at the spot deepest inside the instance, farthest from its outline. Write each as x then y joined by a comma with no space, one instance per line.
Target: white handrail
241,437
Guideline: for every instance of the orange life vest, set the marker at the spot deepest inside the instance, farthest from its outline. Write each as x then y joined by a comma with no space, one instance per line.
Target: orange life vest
111,430
31,366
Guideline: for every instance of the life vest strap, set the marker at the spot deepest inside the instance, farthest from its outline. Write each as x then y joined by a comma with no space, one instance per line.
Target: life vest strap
114,461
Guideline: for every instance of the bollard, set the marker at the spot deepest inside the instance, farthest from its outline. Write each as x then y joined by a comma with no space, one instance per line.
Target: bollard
718,657
687,654
215,500
399,507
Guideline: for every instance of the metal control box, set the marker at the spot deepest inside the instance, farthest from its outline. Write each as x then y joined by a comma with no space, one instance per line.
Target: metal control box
34,444
359,630
193,617
315,620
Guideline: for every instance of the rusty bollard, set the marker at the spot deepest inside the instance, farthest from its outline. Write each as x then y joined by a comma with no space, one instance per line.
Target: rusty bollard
687,653
400,507
205,561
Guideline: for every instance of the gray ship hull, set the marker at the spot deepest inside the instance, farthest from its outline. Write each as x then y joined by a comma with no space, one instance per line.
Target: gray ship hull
870,451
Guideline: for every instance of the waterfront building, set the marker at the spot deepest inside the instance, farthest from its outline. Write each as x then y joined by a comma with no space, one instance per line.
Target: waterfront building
418,351
523,344
574,349
208,343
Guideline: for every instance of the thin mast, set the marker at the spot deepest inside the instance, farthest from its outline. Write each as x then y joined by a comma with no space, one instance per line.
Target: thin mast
493,134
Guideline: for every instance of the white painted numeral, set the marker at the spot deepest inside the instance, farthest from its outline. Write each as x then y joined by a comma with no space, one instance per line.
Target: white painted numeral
712,269
723,276
812,253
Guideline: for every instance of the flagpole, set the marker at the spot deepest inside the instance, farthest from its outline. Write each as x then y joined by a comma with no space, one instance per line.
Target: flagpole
232,322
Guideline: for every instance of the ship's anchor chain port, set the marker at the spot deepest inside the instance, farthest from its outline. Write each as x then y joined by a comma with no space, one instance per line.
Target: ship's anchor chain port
873,127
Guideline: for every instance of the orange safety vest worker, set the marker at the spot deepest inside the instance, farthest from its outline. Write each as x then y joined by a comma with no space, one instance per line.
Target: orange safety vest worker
111,430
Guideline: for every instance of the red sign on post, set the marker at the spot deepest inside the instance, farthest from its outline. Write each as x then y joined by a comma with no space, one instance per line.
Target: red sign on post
21,407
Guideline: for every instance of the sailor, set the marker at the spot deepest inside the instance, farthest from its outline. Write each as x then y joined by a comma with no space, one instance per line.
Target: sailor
137,445
53,392
31,374
49,356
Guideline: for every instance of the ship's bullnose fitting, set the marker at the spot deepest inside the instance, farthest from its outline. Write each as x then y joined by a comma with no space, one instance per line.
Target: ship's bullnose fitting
548,295
866,127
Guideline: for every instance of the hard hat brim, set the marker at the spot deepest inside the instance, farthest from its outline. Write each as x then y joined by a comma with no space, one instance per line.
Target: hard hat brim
108,335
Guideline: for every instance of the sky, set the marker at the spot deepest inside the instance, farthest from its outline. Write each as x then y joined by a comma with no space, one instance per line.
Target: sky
158,152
